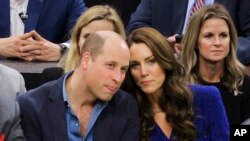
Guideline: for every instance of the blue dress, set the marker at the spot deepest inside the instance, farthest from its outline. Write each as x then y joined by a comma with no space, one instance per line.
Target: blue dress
210,121
158,135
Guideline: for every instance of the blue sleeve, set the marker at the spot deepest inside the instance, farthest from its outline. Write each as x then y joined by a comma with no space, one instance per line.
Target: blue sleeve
217,116
211,120
141,17
75,9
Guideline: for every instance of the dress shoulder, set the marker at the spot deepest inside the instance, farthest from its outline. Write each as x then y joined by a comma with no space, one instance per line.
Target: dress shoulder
205,92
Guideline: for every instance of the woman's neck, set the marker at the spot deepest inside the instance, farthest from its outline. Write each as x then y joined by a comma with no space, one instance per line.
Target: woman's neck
154,101
211,72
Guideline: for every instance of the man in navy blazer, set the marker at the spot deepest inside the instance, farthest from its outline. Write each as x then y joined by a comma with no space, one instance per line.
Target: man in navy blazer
85,104
168,17
51,21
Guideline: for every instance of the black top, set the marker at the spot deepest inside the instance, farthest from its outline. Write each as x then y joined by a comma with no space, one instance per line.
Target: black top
237,107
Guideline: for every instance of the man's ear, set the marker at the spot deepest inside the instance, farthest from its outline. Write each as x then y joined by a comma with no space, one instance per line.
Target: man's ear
86,59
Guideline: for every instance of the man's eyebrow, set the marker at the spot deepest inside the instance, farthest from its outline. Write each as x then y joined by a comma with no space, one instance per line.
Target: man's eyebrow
125,67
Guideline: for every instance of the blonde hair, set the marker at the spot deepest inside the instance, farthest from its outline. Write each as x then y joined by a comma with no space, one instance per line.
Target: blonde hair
233,76
100,12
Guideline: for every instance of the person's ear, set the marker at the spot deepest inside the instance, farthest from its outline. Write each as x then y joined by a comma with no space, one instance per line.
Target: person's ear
86,58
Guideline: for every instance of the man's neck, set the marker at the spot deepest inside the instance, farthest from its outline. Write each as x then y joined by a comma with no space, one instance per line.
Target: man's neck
77,92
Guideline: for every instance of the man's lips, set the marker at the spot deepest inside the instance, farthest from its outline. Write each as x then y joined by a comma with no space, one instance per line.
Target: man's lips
112,88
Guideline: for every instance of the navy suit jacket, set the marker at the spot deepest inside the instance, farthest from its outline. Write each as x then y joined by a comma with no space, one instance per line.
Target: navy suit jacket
43,116
168,17
52,19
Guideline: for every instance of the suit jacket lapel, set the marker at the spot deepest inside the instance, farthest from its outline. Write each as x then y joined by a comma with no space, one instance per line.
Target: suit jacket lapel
103,124
56,111
179,14
34,10
4,18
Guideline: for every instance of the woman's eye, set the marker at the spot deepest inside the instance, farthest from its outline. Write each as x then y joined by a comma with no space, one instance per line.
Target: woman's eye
224,35
133,66
151,61
208,36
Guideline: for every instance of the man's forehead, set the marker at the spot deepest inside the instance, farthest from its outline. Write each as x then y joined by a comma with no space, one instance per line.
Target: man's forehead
115,45
108,34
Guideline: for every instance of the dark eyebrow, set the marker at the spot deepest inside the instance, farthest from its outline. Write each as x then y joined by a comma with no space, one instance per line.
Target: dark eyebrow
150,57
136,62
224,32
133,62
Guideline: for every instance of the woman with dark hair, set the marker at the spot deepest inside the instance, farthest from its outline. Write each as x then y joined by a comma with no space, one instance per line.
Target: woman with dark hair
169,108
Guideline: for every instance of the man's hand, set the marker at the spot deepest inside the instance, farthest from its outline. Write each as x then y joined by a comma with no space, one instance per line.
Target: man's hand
174,45
41,49
10,47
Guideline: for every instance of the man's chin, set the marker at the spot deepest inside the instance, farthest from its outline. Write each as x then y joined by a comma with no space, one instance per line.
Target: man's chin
107,97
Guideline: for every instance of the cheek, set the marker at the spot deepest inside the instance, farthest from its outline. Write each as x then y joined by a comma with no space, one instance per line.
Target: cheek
160,73
227,43
202,43
227,50
123,77
203,46
135,75
202,51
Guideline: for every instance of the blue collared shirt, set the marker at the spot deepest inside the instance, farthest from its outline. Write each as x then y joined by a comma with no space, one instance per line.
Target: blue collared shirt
73,125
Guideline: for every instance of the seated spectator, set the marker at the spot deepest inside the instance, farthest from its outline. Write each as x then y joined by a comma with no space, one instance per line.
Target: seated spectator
48,23
85,104
100,17
171,17
169,109
209,56
12,84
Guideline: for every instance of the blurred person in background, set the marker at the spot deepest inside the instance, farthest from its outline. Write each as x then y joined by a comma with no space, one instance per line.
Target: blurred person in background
47,23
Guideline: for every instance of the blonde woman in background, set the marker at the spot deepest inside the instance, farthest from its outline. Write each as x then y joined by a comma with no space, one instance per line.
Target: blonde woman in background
209,56
96,18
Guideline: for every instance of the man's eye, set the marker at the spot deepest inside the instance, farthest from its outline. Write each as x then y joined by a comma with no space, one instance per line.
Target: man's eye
111,65
124,70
